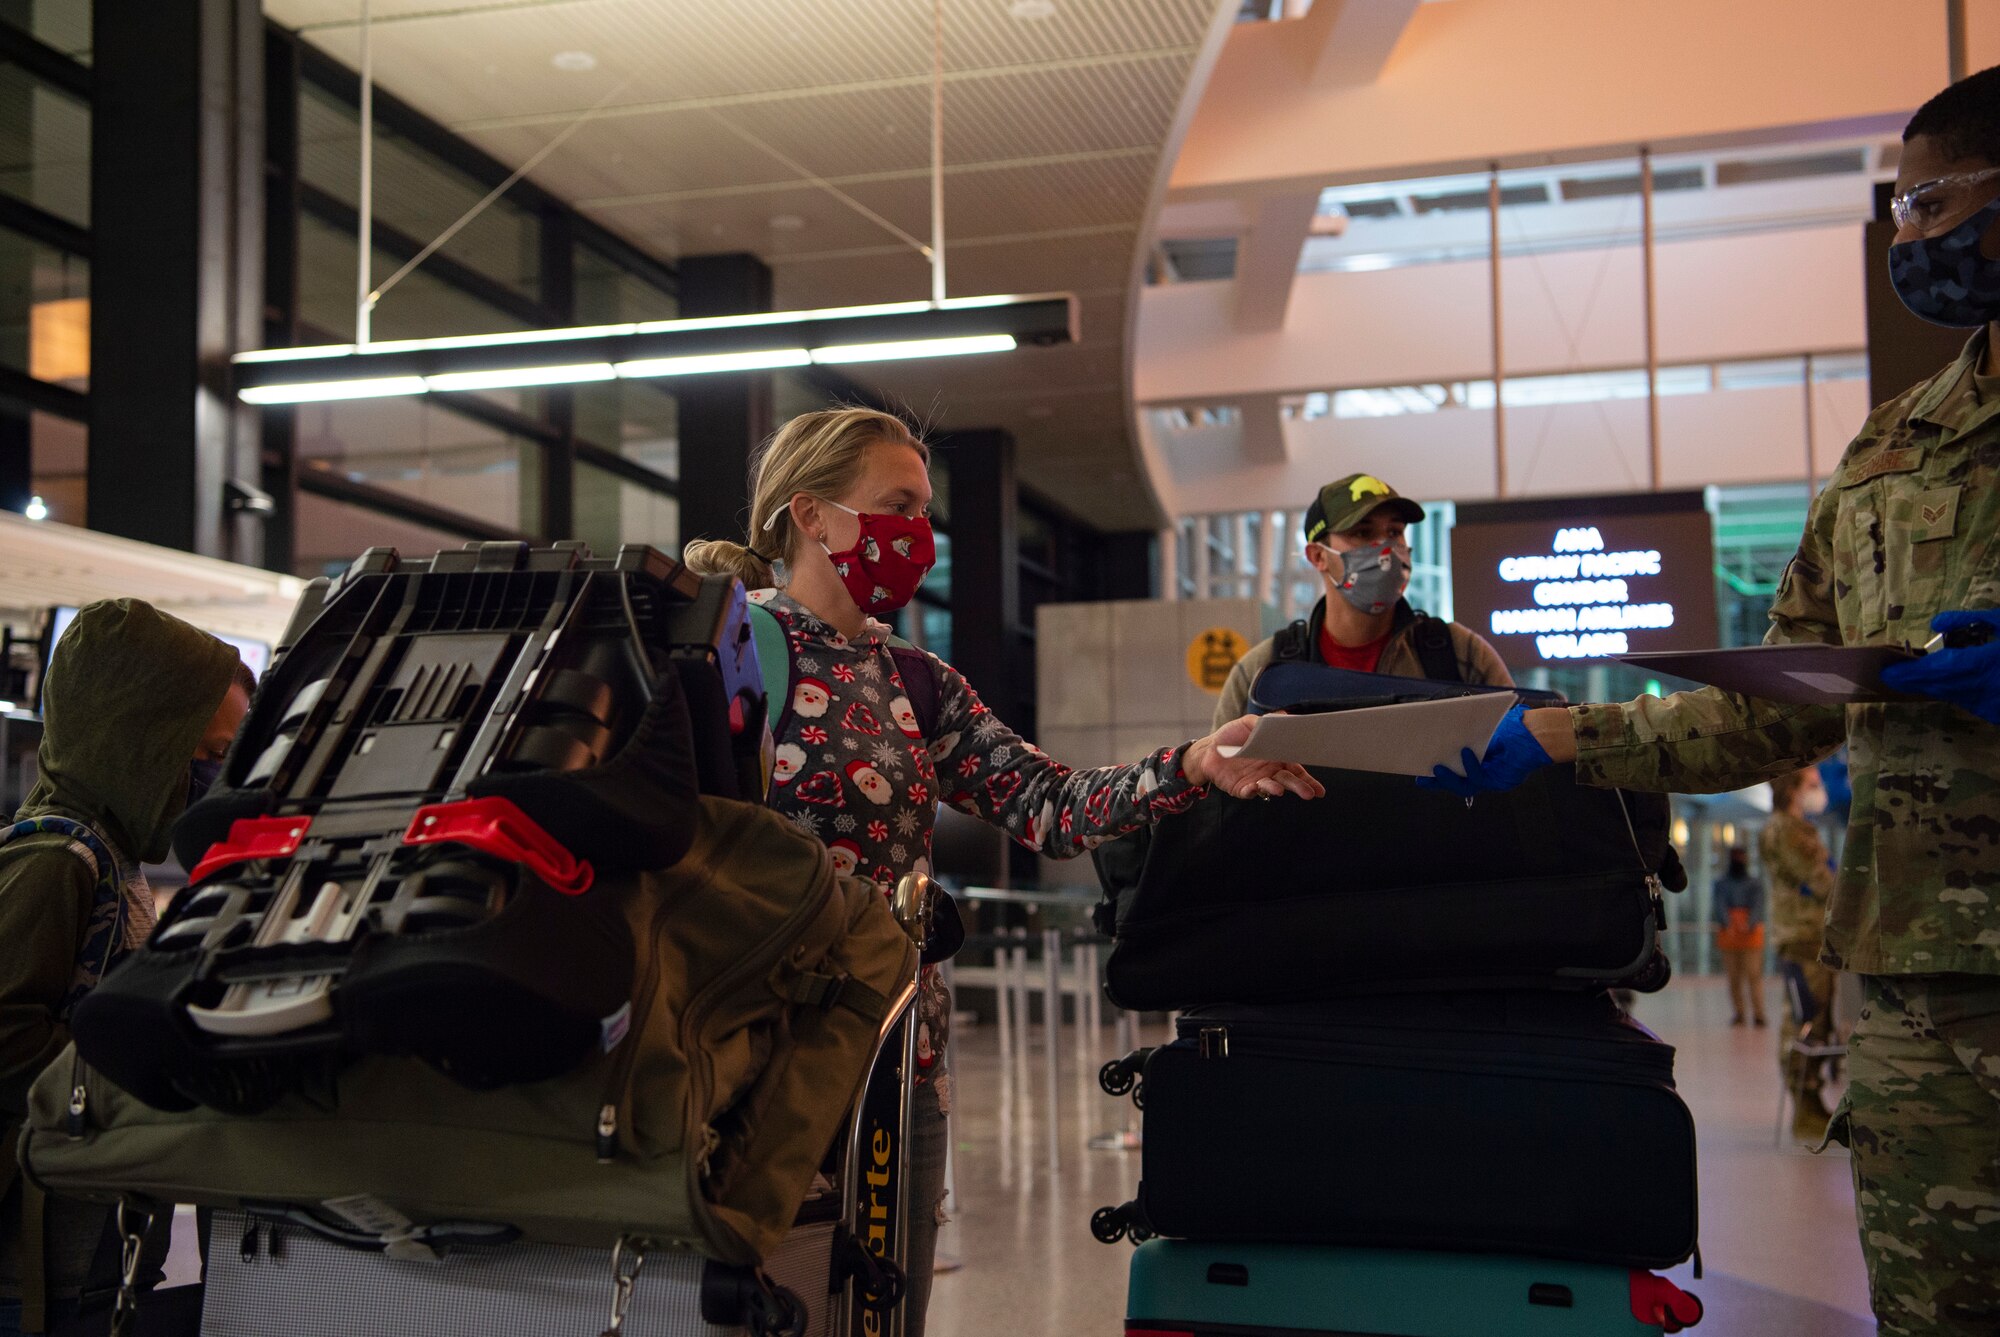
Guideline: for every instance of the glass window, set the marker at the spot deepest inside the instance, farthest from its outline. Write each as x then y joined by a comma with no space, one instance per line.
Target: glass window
933,625
793,393
44,311
938,582
62,24
611,511
421,449
59,454
332,534
417,194
44,146
419,307
636,419
608,295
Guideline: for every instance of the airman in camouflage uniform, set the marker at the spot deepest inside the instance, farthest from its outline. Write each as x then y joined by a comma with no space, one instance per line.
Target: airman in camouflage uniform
1800,879
1907,529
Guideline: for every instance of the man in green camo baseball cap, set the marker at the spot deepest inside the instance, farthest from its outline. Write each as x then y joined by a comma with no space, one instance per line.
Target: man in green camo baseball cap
1355,540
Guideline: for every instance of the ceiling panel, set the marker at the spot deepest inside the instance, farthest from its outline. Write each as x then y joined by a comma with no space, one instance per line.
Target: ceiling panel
721,128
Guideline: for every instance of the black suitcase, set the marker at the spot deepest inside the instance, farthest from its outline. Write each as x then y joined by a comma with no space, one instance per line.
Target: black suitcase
1382,885
1532,1123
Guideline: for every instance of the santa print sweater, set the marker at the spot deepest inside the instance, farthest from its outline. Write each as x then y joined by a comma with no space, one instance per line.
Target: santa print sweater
854,769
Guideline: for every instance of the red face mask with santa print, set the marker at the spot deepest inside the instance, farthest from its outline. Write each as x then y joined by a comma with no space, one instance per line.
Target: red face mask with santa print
889,559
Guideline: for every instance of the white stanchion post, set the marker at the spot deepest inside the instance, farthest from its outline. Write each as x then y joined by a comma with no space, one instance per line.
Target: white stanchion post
1082,988
1052,1021
1003,1012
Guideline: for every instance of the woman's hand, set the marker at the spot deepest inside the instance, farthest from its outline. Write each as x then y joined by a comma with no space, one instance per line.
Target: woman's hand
1242,778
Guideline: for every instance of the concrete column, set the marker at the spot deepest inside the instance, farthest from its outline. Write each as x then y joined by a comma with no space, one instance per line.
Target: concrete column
723,417
177,259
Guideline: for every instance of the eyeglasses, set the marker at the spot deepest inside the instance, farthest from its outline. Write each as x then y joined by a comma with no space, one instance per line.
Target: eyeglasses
1925,205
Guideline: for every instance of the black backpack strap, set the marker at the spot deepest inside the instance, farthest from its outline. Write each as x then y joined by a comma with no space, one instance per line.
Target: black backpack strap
1435,652
913,666
1292,644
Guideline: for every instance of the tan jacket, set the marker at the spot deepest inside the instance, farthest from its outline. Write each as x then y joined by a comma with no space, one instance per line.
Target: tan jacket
1478,662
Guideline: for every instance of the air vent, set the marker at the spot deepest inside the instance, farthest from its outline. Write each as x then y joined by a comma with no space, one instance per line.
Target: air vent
1603,187
1202,258
1750,171
1477,199
1371,208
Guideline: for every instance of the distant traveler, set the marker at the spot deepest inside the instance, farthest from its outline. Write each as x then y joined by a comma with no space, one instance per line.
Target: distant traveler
1739,936
140,708
1355,538
1800,873
1902,545
839,532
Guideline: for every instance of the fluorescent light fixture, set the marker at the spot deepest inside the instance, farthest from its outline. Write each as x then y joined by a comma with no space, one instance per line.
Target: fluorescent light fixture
376,387
711,344
510,378
905,348
758,360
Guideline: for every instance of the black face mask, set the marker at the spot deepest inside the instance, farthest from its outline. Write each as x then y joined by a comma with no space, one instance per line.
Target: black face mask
202,774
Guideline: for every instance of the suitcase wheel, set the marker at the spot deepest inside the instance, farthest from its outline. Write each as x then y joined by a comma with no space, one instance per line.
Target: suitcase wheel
1116,1078
776,1312
1139,1096
1107,1225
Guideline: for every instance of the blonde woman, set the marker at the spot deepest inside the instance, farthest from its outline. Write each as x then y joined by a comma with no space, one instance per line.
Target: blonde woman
839,533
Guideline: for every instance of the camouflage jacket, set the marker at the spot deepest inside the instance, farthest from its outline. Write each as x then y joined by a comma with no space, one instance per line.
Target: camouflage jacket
1801,882
1909,526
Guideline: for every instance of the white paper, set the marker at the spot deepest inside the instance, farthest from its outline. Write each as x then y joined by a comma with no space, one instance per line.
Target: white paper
1407,739
1831,683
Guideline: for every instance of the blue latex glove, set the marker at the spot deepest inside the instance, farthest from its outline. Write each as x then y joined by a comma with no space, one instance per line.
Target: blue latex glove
1510,758
1967,676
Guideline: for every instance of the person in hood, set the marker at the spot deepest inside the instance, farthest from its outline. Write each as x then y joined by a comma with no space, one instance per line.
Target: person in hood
137,707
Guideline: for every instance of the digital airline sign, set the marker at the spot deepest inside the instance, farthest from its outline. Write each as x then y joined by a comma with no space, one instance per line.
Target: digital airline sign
1554,581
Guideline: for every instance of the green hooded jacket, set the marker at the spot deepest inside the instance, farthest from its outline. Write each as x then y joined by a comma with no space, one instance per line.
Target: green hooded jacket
130,693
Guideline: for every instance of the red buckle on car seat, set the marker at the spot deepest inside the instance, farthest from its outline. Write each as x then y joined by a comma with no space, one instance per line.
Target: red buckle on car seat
252,838
495,826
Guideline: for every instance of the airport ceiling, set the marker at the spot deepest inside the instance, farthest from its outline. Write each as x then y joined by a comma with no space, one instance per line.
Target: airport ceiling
718,119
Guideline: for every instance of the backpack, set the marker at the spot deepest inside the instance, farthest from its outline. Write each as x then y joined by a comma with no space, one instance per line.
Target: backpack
774,657
1432,636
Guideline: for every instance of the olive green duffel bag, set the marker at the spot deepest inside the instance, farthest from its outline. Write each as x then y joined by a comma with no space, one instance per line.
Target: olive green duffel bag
763,983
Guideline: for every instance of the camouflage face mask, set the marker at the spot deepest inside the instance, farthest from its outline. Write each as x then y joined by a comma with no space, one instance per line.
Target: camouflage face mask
1945,279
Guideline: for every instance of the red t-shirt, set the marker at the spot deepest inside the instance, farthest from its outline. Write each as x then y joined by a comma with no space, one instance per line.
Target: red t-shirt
1360,658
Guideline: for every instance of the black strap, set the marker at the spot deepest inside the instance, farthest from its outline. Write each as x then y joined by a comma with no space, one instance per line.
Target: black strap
913,666
1292,644
1435,652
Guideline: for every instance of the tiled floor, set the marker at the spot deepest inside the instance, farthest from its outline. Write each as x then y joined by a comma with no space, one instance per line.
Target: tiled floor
1777,1224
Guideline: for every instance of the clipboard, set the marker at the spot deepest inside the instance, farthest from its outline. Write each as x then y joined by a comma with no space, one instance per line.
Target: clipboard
1411,738
1819,675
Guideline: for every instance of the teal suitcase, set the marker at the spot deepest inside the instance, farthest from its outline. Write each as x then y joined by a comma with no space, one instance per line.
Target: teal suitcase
1182,1288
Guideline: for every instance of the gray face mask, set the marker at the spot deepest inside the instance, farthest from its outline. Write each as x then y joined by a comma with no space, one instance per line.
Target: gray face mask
1373,577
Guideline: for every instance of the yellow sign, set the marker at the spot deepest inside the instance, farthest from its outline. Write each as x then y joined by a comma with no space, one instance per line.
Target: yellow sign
1212,654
